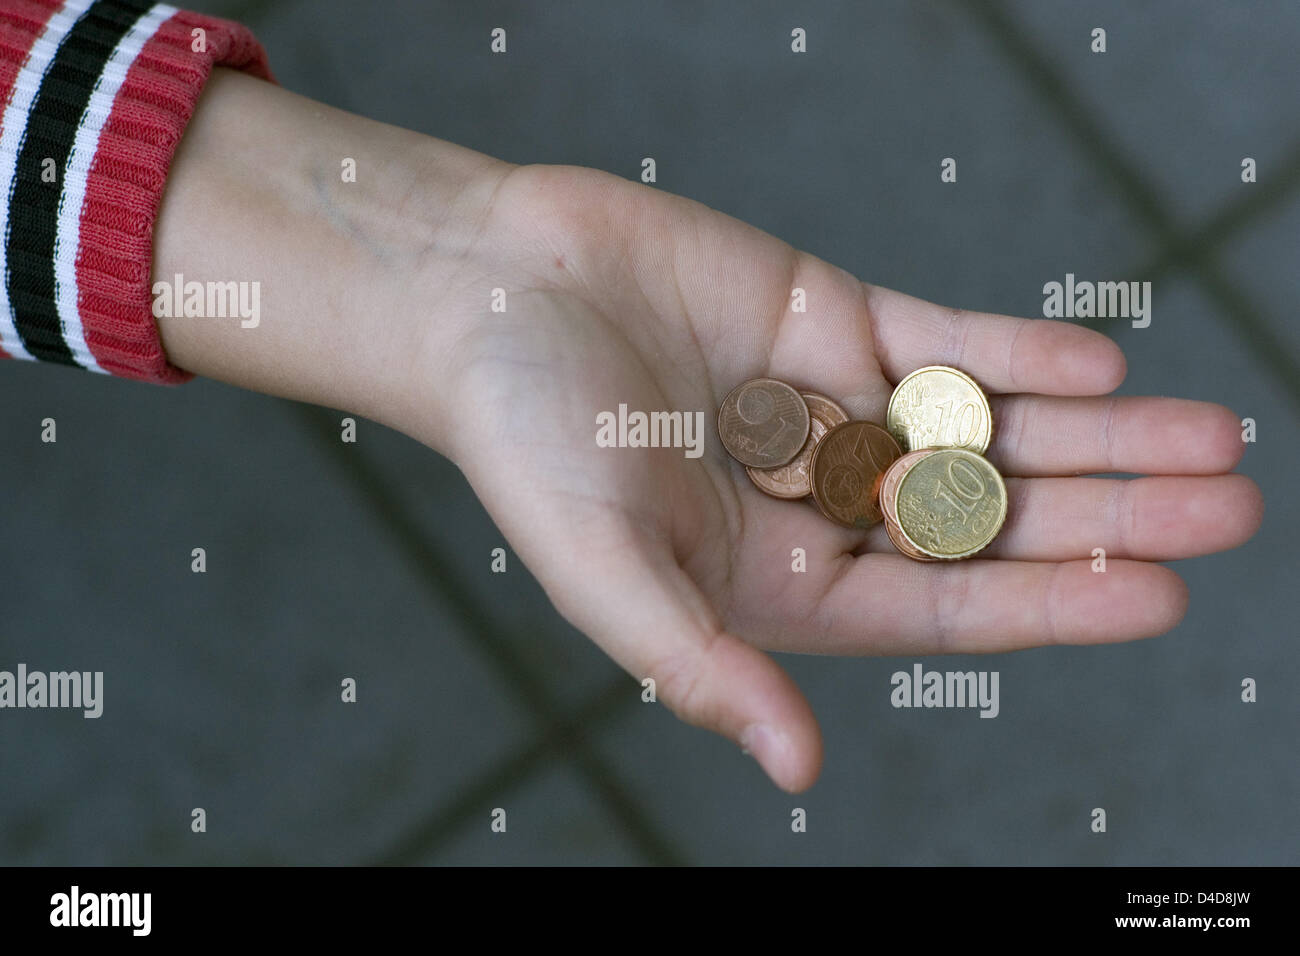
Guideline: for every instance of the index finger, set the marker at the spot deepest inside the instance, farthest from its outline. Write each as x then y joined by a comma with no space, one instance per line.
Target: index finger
1003,353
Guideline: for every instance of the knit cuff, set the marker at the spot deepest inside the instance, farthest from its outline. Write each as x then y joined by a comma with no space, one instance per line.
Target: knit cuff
97,96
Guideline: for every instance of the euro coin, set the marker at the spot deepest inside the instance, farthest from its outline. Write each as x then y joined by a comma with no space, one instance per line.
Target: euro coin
888,499
940,407
793,480
763,423
846,468
950,504
900,543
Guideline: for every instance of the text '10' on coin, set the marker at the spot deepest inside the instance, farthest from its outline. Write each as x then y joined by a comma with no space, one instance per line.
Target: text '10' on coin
795,479
940,407
763,423
847,465
950,504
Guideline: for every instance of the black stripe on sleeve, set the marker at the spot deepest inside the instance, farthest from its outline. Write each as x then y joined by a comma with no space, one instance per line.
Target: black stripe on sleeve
52,125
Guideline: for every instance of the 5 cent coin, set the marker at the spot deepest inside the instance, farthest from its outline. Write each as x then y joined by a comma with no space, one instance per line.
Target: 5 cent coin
846,468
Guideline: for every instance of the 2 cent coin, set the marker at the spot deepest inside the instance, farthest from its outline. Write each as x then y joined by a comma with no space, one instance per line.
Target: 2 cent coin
763,423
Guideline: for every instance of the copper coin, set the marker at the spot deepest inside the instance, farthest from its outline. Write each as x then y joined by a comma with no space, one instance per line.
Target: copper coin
792,480
763,423
899,541
845,467
893,477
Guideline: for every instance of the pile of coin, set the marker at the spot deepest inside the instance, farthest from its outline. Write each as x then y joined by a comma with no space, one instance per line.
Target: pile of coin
923,473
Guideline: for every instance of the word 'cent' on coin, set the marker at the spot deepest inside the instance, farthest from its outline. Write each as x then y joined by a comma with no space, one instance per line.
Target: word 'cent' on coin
763,423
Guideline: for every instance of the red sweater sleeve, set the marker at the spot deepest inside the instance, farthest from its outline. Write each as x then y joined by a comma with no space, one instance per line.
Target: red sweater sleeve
96,95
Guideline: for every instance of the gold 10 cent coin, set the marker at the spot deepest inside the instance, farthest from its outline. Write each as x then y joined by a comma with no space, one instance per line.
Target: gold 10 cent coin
950,504
763,423
793,480
940,407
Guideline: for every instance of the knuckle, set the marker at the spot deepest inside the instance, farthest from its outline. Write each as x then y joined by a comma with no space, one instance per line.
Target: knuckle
684,686
681,690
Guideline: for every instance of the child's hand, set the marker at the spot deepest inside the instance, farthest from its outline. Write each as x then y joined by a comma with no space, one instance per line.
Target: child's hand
378,298
680,568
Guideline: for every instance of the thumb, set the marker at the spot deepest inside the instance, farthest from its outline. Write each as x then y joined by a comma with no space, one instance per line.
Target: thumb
719,682
650,617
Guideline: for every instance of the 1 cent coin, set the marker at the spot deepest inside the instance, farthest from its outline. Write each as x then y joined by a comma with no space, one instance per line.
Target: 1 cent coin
794,480
763,423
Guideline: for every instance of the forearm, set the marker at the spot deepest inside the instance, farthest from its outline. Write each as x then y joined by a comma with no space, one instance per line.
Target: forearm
256,194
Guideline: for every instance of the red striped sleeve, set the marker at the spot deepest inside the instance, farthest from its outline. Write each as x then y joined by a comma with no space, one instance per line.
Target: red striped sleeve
150,112
83,197
21,22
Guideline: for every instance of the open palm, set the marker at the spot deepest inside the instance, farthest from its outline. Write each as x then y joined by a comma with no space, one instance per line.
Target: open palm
681,570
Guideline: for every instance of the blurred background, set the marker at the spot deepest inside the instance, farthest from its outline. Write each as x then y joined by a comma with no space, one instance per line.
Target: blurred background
371,560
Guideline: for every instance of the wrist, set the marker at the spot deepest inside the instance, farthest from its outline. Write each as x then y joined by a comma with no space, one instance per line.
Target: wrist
459,242
348,268
500,292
